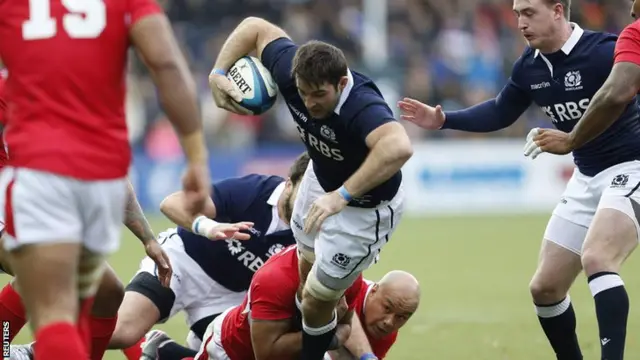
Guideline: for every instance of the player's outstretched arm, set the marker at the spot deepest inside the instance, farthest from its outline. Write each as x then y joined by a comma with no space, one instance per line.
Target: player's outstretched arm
174,208
607,104
491,115
153,38
390,148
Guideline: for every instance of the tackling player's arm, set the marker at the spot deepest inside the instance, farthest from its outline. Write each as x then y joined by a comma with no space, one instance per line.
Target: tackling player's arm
134,218
389,145
616,93
251,34
358,343
271,323
495,114
153,38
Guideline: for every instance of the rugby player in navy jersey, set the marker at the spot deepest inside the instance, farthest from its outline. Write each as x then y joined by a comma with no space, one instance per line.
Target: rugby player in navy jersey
350,199
560,71
614,231
210,276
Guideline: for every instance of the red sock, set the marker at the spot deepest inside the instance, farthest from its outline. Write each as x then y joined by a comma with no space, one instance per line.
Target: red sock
134,352
84,322
11,309
101,331
59,341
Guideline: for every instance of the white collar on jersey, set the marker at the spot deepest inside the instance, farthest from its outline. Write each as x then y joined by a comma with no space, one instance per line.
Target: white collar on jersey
576,34
369,284
345,93
275,195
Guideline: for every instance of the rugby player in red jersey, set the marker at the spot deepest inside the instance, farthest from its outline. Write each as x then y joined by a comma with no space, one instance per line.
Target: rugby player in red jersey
65,185
382,308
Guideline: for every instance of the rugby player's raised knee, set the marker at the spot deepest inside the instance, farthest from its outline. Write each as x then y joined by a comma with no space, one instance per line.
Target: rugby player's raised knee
611,239
546,291
136,316
109,296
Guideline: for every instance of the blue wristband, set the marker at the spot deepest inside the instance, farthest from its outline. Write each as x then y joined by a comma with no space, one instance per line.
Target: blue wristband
369,356
344,193
218,72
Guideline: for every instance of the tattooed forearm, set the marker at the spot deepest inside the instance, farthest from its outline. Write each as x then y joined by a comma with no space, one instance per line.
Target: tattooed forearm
134,218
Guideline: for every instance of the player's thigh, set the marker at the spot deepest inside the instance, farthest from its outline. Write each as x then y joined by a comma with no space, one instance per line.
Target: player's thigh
38,208
615,230
103,204
350,241
308,191
559,260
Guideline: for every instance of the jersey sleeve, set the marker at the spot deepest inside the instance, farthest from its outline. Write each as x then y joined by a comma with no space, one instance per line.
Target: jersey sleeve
370,118
268,297
628,45
138,9
277,57
382,346
233,196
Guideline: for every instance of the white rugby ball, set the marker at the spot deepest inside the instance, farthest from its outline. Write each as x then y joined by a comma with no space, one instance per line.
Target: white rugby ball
254,82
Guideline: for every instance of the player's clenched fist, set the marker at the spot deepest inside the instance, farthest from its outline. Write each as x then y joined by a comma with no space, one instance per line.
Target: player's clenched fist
423,115
225,95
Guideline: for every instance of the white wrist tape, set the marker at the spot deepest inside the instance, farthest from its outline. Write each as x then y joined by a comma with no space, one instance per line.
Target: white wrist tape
202,225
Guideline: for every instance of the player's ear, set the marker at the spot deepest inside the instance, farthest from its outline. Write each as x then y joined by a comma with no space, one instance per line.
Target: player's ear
288,184
343,83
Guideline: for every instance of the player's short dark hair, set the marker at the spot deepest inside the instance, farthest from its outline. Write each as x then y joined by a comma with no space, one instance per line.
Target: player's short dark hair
299,167
566,4
317,62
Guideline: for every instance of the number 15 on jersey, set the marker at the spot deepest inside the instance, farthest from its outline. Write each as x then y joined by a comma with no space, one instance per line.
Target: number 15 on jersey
85,19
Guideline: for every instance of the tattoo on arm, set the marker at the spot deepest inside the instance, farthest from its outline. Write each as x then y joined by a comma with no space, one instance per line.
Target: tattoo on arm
134,218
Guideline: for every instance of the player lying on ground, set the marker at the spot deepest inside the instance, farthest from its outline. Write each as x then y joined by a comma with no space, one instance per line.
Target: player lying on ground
382,308
108,296
614,231
210,276
65,185
560,71
357,149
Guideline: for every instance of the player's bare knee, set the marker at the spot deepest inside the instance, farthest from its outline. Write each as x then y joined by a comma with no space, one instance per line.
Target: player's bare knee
136,315
109,296
546,290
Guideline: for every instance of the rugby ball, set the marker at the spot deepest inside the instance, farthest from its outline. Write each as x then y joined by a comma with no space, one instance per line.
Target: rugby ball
255,83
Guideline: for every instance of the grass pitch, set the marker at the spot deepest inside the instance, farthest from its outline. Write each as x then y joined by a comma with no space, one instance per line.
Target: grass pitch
474,273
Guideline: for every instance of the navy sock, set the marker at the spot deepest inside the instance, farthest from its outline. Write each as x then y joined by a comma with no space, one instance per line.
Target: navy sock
612,310
559,324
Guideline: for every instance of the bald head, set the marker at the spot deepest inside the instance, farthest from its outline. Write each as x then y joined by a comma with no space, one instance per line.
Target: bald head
391,302
400,282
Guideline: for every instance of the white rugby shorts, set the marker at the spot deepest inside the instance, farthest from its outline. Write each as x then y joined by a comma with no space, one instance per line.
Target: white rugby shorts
349,241
613,188
41,208
197,294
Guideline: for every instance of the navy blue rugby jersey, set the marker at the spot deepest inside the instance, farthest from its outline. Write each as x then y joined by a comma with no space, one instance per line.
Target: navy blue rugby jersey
232,263
562,84
336,144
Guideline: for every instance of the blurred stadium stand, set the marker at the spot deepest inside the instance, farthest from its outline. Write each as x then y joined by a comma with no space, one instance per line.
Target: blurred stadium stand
450,52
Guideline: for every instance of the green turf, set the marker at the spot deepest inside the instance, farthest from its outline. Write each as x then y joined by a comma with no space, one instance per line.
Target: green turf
474,273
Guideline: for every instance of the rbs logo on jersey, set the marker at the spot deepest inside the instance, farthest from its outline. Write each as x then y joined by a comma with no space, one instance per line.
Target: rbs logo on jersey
569,111
320,145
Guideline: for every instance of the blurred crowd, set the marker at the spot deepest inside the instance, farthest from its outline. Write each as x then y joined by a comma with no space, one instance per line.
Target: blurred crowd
450,52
